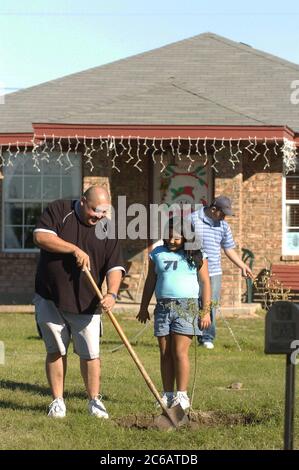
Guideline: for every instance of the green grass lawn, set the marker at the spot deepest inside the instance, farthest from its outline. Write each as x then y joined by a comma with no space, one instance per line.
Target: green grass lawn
25,393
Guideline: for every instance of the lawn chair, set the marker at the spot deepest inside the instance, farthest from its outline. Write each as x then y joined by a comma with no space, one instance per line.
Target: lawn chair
248,258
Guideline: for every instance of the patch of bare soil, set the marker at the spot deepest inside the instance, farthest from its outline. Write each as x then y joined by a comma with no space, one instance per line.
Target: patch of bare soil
197,419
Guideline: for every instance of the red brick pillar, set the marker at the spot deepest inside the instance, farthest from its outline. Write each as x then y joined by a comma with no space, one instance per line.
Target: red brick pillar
229,182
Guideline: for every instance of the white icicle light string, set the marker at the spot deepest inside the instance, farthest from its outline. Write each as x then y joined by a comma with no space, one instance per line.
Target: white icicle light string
41,149
290,157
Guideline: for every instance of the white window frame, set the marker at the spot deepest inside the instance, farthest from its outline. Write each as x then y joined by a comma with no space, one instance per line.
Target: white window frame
22,201
285,202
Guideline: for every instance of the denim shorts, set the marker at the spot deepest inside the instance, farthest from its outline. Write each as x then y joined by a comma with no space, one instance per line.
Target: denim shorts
177,316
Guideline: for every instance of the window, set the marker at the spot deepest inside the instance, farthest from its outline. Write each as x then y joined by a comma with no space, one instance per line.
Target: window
291,213
27,192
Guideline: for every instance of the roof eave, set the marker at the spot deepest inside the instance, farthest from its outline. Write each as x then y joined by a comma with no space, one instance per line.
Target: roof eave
163,131
46,130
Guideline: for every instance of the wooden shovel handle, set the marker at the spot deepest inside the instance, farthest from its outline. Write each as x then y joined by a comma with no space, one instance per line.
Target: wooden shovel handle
134,356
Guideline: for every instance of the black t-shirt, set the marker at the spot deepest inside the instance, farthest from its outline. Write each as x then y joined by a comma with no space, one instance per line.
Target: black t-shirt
58,278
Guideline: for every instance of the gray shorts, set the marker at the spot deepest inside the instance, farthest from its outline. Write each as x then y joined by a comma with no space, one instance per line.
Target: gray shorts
177,316
58,327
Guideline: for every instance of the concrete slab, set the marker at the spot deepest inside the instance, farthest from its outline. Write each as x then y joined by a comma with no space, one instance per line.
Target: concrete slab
243,310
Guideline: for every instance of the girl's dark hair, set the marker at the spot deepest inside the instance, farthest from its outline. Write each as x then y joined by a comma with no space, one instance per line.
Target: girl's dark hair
194,257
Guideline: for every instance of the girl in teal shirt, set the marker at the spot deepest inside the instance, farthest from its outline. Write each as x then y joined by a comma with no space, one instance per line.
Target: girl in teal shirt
173,274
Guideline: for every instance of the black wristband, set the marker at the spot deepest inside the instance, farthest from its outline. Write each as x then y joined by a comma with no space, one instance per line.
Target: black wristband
113,295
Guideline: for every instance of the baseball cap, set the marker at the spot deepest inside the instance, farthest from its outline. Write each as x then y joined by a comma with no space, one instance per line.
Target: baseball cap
224,203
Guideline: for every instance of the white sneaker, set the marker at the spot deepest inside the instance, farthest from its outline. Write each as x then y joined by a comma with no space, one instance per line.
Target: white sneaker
57,408
97,408
167,398
182,399
208,345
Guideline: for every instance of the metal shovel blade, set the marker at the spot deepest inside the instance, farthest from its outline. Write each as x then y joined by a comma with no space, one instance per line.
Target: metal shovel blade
174,418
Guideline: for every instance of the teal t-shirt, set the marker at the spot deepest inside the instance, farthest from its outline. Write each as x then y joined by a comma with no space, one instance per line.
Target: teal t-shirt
175,278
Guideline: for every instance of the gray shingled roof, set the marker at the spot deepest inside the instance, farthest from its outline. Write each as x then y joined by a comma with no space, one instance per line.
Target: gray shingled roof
204,80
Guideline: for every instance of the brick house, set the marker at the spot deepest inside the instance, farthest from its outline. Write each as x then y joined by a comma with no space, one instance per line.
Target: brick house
194,119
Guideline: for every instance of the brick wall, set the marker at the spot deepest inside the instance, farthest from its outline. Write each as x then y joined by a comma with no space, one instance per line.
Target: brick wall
17,273
262,209
129,182
262,212
228,181
257,197
256,193
135,185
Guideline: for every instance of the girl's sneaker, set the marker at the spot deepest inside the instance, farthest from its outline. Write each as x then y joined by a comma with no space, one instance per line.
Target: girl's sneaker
182,399
167,398
97,408
57,408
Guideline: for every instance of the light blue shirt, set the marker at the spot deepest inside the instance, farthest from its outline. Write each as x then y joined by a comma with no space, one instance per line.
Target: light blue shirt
175,278
212,235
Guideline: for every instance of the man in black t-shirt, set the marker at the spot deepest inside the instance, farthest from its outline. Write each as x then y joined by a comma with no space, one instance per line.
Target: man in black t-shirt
73,236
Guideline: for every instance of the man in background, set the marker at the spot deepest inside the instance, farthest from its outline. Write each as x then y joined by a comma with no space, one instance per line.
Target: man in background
214,234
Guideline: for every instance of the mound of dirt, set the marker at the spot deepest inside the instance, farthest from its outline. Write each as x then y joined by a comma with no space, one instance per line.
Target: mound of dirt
197,419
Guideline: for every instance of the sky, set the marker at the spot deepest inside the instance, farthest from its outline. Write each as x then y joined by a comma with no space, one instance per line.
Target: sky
42,40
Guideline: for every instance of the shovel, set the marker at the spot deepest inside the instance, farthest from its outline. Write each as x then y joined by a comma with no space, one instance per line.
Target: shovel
171,417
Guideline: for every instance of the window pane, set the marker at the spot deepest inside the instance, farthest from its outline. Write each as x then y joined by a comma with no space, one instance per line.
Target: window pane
76,160
13,187
13,213
28,237
13,237
293,215
51,187
292,188
52,167
29,169
292,240
32,187
32,213
26,193
17,165
297,169
70,188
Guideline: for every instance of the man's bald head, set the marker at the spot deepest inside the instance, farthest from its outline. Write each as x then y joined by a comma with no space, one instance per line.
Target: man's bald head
97,193
95,203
